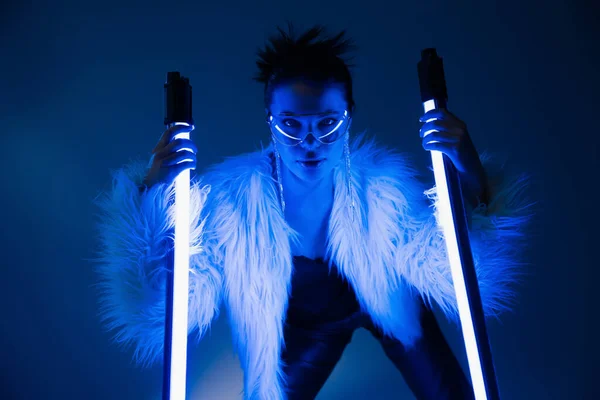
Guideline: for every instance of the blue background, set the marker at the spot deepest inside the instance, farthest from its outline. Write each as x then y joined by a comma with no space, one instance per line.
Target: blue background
82,93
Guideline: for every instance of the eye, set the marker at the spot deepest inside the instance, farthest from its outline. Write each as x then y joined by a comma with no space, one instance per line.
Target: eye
328,121
290,123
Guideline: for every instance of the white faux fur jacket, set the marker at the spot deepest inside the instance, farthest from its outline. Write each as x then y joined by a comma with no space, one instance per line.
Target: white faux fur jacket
240,253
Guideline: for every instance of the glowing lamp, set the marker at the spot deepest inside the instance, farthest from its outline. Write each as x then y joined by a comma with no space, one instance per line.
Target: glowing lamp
178,111
453,220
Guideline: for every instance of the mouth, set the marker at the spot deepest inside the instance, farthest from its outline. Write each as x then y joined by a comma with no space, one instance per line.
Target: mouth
311,163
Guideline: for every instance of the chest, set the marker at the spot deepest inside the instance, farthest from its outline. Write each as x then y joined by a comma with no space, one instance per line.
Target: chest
312,230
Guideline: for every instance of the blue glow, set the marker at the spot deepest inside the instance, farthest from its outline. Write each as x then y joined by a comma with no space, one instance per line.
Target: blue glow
300,140
181,268
447,222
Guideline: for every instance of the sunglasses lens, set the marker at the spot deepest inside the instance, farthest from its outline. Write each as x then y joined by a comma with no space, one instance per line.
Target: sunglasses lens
291,131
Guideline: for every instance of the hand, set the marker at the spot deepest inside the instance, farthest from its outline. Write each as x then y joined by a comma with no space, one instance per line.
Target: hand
444,132
171,157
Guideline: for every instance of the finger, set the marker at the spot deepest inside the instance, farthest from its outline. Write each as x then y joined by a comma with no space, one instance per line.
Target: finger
445,148
442,137
178,157
175,170
175,146
168,134
436,113
181,144
440,125
443,114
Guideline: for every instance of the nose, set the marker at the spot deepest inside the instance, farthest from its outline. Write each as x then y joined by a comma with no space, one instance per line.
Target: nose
310,141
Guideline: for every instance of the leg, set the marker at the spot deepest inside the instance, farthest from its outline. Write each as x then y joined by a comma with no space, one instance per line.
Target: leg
309,358
430,368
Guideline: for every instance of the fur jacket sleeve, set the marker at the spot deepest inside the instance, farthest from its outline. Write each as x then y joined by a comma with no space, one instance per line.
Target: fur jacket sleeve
135,230
497,237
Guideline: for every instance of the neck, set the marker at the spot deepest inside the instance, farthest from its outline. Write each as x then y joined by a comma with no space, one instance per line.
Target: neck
309,196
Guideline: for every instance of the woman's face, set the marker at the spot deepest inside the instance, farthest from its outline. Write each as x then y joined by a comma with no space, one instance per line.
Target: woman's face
309,111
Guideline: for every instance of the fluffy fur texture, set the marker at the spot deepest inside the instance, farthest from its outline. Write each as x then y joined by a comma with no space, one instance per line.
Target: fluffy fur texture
390,249
135,233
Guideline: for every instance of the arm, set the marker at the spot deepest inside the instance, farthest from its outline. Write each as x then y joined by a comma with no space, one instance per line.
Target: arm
496,236
135,233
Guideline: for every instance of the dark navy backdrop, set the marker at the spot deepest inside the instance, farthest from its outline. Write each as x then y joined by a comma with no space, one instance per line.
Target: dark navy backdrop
81,93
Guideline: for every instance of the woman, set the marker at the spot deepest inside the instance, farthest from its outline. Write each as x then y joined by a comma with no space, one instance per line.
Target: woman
309,239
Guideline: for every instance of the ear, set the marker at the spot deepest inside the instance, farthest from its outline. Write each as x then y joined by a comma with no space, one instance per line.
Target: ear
351,117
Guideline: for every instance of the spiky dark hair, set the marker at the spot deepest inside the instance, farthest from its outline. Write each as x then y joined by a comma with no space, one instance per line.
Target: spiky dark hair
312,56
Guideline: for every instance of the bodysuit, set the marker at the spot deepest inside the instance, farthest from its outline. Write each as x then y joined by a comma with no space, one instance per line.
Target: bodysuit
323,313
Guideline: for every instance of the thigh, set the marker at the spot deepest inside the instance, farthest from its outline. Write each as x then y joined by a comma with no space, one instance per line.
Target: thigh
309,357
430,368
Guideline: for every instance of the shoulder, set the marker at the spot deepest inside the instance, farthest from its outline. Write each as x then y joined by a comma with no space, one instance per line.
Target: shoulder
240,174
387,173
239,168
241,188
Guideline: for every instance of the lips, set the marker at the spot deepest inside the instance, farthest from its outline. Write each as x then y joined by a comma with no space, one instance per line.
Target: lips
311,163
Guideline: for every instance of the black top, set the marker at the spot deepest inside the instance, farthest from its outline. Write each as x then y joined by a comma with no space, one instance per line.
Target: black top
318,294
